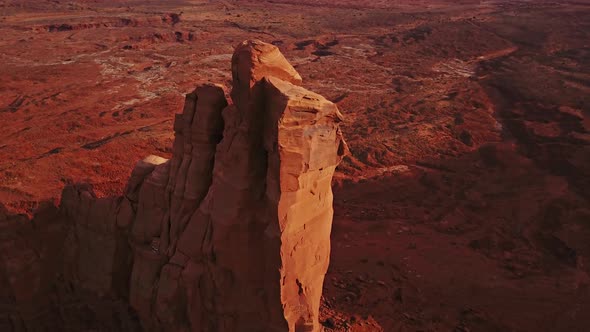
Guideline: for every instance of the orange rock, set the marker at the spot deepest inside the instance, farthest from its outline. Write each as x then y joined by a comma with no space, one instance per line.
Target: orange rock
304,146
254,254
232,233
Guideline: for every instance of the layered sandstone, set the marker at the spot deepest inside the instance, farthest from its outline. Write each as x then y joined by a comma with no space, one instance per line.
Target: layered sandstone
233,232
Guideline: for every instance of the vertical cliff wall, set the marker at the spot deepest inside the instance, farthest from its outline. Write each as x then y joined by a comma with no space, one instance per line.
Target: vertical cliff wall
231,234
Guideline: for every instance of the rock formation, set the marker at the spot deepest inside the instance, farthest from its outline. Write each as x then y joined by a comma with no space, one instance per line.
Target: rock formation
231,234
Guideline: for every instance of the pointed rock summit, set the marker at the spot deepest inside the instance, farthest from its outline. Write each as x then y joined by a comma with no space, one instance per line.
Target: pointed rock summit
252,61
232,233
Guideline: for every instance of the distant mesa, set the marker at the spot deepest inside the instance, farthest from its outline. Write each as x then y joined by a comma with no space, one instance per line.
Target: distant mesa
164,19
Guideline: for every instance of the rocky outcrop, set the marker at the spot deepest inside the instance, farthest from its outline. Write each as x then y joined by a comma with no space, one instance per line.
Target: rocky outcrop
233,232
165,19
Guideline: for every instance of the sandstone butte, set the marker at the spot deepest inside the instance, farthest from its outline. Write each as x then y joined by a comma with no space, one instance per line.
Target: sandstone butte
231,234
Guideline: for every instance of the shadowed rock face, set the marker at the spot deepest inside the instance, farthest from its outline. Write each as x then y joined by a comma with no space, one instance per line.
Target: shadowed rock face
232,233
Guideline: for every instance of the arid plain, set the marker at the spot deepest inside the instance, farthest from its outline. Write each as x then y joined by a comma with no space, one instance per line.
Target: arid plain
464,205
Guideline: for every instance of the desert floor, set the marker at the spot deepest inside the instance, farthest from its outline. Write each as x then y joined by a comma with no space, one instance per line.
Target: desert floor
465,205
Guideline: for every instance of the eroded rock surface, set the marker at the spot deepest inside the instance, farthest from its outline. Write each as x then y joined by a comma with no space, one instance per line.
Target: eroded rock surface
231,234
